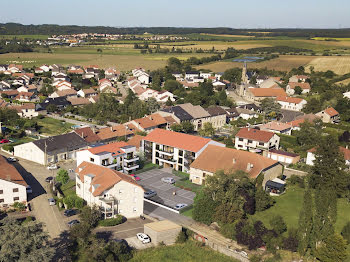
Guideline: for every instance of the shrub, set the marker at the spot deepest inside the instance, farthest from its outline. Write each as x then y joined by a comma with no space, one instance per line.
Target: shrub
229,230
346,232
79,202
278,225
62,176
28,219
181,237
70,201
111,221
297,180
19,206
8,148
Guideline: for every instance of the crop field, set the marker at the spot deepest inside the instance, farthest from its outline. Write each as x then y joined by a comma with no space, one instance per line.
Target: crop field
339,65
24,36
283,63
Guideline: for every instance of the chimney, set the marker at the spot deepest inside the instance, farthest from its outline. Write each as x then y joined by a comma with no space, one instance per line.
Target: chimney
111,128
82,135
234,161
249,166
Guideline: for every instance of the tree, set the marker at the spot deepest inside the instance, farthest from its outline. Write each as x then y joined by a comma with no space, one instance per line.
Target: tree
172,85
204,207
90,216
187,127
169,102
152,104
298,90
309,133
333,249
314,105
174,64
176,127
234,75
51,108
262,199
305,223
270,107
278,225
62,176
207,130
291,241
24,242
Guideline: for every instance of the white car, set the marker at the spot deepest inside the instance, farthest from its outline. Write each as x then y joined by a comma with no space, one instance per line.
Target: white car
52,167
180,206
12,159
52,202
29,189
143,238
168,180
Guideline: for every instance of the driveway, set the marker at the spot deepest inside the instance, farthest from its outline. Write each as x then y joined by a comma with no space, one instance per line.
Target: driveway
289,116
165,192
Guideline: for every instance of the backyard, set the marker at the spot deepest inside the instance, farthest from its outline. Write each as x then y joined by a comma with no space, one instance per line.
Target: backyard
50,126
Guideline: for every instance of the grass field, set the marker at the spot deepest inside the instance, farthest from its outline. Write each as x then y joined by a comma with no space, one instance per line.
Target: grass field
24,36
189,252
283,63
289,205
339,64
51,126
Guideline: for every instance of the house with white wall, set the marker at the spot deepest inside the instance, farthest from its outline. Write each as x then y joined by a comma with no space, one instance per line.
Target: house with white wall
291,103
175,150
113,192
305,87
255,140
118,156
13,188
311,157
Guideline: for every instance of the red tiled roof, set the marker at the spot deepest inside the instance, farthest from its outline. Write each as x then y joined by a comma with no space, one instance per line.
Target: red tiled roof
178,140
135,141
215,158
274,125
288,99
87,134
345,151
331,111
292,85
112,148
255,134
103,177
267,92
9,173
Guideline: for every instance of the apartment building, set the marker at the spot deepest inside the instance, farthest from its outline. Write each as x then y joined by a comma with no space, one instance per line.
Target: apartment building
173,149
113,192
118,156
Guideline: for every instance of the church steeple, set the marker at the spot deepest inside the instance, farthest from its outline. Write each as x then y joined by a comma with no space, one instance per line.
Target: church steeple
244,74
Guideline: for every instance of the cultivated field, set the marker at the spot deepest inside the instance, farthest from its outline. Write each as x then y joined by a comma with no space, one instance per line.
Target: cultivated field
338,64
283,63
344,82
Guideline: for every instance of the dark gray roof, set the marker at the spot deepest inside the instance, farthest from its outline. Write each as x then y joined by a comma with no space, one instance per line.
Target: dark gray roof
179,113
250,107
58,101
67,142
273,184
216,111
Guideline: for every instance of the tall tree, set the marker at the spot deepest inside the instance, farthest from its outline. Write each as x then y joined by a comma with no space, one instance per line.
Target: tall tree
305,223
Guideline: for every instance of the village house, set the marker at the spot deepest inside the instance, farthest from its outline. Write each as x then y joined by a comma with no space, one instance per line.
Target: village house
246,114
298,78
89,134
118,156
29,88
59,102
64,93
78,101
13,188
283,157
190,75
113,133
175,150
219,114
310,158
329,115
291,103
301,119
305,87
149,123
87,92
113,192
52,149
215,158
26,97
277,127
27,110
256,140
258,94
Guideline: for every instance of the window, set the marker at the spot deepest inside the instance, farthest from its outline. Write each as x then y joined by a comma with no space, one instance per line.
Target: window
2,200
78,185
135,189
15,190
180,160
120,211
250,141
120,201
261,143
1,191
135,209
15,198
240,139
181,153
92,159
120,191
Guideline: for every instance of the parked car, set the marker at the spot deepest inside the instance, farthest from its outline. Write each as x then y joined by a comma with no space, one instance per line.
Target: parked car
48,179
143,238
29,190
180,206
73,222
4,141
52,201
52,167
69,212
149,194
137,178
168,180
12,159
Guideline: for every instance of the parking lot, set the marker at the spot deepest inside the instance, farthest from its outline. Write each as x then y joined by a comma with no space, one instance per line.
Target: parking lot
165,192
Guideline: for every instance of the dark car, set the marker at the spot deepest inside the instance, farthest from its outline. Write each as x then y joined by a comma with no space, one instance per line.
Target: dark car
73,222
69,212
48,179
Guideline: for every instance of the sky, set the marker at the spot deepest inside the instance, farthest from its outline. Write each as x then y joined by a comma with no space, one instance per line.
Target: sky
181,13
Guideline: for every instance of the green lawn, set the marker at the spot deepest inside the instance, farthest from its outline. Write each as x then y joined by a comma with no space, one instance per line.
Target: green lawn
189,251
188,212
51,126
289,205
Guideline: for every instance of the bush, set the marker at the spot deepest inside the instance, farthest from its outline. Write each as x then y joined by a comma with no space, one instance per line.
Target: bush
19,206
229,231
28,219
297,180
70,201
62,176
346,232
8,148
181,237
111,221
278,225
79,202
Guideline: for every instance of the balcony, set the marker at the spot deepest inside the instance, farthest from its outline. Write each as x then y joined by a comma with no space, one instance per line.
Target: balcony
165,152
169,160
131,159
130,168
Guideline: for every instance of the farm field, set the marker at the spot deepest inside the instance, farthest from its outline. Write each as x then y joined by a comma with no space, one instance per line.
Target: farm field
24,36
344,82
339,65
283,63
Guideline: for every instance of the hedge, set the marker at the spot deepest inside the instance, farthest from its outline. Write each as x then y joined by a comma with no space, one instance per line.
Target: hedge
111,221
